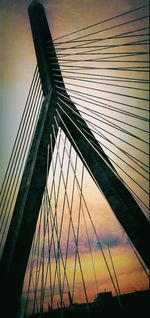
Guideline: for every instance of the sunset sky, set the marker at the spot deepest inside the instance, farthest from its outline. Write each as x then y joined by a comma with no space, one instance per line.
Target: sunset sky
17,63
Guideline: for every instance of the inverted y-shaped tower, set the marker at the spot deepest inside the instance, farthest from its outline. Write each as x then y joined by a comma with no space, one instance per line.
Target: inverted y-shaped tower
22,228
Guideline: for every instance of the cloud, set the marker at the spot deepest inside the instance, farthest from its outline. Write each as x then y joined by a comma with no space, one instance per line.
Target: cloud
130,276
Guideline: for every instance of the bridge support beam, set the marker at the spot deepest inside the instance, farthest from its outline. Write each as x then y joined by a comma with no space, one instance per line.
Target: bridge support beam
19,239
125,208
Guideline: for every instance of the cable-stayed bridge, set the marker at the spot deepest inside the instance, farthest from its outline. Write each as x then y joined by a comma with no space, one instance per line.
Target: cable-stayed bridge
80,153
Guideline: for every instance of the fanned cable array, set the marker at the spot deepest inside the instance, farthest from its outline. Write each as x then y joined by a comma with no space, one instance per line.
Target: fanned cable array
19,153
70,257
105,69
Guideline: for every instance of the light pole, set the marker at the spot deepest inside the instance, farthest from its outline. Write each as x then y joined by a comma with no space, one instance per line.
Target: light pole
112,264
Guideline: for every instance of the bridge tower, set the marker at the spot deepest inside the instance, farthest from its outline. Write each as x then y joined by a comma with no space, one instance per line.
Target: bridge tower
22,228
